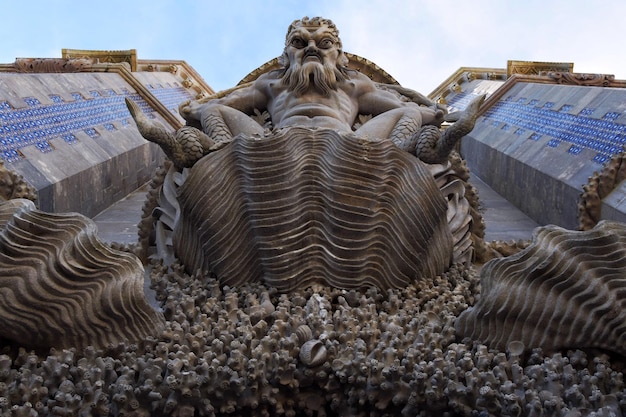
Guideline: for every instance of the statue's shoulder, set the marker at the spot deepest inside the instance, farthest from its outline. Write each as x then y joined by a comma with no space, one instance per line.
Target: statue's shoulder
270,76
359,82
355,75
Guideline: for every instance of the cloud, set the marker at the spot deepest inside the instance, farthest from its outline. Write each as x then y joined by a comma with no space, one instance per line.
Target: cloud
419,42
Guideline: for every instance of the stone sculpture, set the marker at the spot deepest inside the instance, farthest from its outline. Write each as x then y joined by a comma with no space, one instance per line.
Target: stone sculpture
329,335
566,289
301,200
12,185
600,185
61,286
314,89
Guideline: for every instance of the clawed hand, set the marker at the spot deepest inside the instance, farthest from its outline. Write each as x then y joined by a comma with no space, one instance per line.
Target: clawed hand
189,109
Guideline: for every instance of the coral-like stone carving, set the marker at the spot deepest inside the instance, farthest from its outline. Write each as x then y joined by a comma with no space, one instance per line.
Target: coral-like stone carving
61,286
304,206
599,186
388,353
13,185
566,290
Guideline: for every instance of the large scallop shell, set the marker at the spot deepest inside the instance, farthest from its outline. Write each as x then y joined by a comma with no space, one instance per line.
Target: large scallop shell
310,206
61,286
566,290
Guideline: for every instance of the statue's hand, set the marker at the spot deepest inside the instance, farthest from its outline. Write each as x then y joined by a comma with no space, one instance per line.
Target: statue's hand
182,108
190,110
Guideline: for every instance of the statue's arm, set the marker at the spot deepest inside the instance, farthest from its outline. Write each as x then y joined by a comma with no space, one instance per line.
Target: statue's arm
245,99
373,100
414,96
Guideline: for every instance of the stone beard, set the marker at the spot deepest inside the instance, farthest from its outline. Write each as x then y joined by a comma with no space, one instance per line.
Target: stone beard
323,77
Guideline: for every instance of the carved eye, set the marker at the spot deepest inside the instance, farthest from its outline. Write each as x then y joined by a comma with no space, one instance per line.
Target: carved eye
326,43
297,43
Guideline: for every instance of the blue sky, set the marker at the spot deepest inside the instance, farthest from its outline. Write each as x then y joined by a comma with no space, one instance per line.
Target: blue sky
419,42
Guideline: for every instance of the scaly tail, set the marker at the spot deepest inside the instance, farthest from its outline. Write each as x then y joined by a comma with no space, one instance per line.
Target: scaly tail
434,148
184,149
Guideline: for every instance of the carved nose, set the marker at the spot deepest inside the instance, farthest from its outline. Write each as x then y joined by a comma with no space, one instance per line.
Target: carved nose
311,49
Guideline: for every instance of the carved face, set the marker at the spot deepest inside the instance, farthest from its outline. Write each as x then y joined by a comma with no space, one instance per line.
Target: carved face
313,58
317,44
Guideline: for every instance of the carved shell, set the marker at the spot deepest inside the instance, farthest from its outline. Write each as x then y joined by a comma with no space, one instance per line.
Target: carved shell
61,286
459,215
313,353
566,290
312,206
304,333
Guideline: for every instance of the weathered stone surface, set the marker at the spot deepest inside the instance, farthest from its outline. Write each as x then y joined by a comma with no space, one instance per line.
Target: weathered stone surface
566,290
60,286
312,206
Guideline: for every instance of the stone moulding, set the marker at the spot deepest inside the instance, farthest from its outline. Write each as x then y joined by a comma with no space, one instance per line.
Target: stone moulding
312,206
590,80
463,76
61,287
179,68
126,56
536,67
51,65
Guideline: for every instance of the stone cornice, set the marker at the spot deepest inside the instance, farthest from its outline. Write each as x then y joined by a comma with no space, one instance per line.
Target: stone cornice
103,56
191,78
462,75
61,65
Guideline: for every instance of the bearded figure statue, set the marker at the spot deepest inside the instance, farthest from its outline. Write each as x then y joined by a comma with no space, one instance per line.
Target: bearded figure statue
296,199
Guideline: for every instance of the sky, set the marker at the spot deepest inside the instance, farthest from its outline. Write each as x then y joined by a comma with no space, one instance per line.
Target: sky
418,42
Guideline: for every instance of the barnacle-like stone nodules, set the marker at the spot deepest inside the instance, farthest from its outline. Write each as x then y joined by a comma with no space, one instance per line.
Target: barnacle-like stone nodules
310,206
61,286
566,290
388,352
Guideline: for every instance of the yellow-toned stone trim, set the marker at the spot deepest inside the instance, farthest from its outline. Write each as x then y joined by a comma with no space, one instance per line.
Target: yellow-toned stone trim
464,74
129,56
191,79
536,67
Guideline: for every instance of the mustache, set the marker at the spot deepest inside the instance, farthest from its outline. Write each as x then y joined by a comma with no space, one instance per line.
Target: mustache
324,78
312,52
